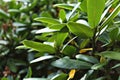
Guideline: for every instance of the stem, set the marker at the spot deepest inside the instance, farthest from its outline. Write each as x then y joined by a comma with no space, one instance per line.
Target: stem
94,41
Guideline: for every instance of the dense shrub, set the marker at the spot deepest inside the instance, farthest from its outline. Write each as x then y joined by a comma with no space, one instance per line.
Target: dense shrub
62,40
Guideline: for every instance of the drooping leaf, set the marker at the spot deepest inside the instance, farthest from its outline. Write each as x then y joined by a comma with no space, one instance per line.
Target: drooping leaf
61,76
47,20
80,30
67,63
87,58
94,11
111,54
43,48
85,50
41,58
71,74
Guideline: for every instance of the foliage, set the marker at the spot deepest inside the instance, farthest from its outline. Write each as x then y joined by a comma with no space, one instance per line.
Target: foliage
75,38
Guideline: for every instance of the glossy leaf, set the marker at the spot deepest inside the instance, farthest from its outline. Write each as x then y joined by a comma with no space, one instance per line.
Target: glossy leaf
61,76
97,66
47,20
83,5
69,50
111,54
45,30
111,16
73,10
13,11
74,17
116,66
62,15
57,26
43,48
4,14
41,58
66,6
87,58
114,33
67,63
80,30
35,79
94,11
59,38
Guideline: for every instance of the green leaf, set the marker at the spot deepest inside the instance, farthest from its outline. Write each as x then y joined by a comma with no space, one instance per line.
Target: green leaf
47,20
45,14
45,30
83,5
18,24
35,79
94,10
62,15
84,43
61,76
87,76
116,66
69,50
42,58
13,11
4,78
100,78
114,33
43,48
66,6
4,14
98,66
111,16
74,17
59,38
57,26
73,10
80,30
67,63
87,58
29,73
111,55
11,65
119,78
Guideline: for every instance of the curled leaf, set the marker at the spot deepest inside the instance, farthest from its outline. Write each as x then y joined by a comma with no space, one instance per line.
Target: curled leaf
71,74
85,50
